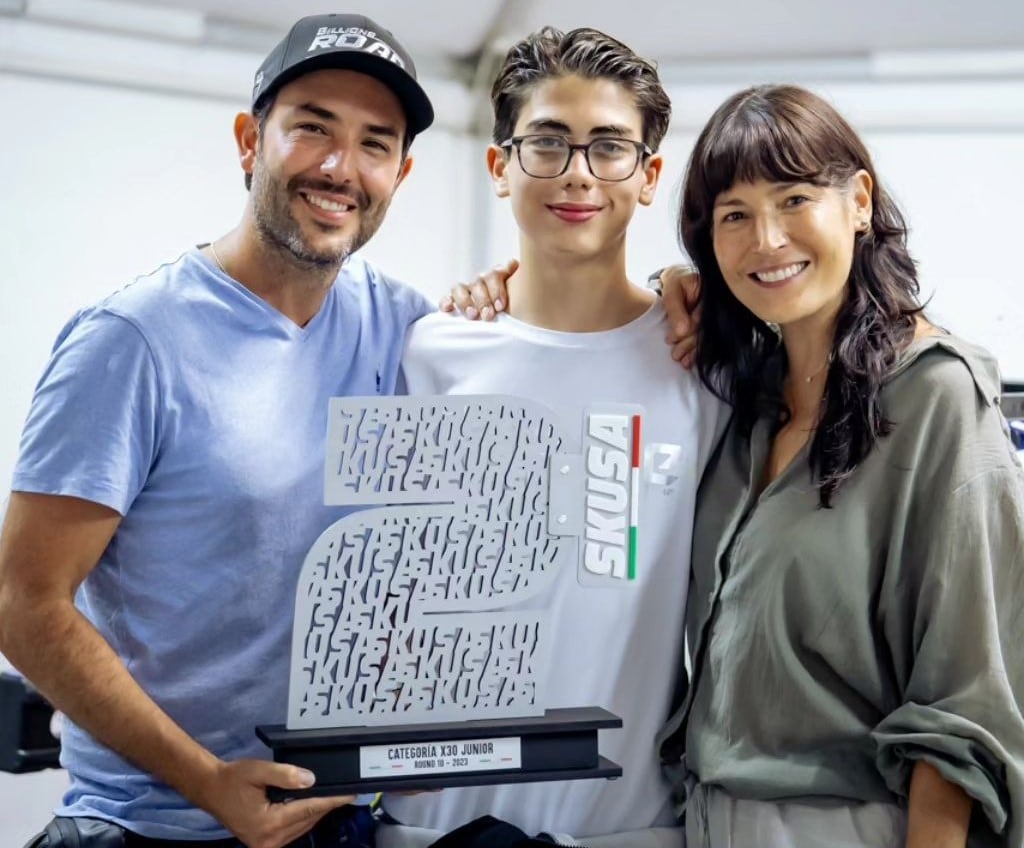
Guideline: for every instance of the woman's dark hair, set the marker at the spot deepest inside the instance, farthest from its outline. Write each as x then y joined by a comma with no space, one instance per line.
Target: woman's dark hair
783,133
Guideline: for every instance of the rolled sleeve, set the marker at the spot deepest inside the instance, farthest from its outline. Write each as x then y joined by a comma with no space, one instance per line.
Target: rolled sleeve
961,650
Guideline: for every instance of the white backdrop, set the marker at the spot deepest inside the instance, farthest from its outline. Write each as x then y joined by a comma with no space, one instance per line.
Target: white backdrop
100,184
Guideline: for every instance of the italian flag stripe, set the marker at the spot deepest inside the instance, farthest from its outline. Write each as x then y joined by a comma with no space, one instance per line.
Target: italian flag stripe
634,499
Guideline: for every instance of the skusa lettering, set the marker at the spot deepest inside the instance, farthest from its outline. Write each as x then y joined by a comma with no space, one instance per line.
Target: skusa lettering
604,560
611,464
610,526
613,430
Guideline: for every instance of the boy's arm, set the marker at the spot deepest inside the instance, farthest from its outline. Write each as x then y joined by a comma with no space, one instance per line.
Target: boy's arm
48,546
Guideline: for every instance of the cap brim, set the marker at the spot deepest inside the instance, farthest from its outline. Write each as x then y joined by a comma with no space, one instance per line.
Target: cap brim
419,113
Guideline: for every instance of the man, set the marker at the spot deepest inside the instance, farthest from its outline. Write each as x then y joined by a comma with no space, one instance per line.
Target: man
578,118
171,467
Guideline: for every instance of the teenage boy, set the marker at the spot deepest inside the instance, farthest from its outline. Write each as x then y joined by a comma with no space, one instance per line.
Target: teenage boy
578,121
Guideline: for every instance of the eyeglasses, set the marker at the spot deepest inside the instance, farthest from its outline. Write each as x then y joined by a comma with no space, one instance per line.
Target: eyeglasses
548,156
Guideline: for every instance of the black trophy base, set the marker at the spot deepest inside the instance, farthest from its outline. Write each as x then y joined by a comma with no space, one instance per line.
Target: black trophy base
559,745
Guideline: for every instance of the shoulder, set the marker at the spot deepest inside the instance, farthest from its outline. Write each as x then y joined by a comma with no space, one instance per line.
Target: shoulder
153,302
363,280
440,333
945,371
943,398
453,328
136,310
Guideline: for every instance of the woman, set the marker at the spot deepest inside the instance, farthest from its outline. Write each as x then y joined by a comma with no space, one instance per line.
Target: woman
858,565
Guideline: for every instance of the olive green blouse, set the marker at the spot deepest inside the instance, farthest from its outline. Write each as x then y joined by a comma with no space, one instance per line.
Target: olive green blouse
832,648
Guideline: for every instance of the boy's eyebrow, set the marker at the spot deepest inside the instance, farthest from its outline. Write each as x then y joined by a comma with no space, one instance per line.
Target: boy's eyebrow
549,124
556,126
611,129
327,115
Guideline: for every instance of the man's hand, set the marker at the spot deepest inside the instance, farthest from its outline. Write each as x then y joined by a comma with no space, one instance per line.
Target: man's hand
485,297
680,293
236,795
48,545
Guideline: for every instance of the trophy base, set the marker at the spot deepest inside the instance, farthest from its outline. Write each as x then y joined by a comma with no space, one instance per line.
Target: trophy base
559,745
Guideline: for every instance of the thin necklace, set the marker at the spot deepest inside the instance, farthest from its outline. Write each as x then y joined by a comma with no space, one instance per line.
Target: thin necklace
216,258
827,362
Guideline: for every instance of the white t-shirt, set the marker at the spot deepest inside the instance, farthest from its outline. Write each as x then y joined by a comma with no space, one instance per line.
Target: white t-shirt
620,648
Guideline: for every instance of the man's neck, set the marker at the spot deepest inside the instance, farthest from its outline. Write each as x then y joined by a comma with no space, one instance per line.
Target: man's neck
574,295
294,289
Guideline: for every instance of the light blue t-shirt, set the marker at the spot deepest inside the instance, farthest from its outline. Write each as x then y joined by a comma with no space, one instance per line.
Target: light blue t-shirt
199,412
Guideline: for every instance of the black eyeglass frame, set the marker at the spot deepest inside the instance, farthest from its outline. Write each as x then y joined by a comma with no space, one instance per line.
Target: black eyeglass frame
516,141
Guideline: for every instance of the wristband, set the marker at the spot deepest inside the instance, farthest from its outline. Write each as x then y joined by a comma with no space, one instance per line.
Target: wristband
654,281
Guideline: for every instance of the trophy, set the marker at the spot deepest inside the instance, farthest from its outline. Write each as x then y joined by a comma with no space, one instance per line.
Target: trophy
420,635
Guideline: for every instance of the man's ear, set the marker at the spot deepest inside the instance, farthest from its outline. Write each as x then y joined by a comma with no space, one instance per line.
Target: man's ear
652,173
247,136
403,171
497,166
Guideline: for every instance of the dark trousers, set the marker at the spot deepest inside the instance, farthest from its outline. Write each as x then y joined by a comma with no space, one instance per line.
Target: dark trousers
346,827
489,832
64,832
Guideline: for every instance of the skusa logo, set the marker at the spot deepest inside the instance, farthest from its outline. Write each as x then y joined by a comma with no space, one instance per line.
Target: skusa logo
611,449
257,84
662,464
353,38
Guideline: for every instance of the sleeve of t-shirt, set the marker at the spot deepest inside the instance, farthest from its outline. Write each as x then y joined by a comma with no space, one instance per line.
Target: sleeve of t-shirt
92,428
415,302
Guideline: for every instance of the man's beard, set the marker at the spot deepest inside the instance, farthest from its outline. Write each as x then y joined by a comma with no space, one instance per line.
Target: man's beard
278,228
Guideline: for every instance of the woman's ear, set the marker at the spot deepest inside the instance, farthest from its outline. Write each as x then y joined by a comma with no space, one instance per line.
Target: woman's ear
861,187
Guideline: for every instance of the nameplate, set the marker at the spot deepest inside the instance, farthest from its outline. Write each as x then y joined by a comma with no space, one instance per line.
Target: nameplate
440,757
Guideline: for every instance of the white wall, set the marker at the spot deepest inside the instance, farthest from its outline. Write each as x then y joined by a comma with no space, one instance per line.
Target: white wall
100,184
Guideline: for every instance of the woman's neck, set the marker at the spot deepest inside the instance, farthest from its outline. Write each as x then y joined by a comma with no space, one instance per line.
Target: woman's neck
809,353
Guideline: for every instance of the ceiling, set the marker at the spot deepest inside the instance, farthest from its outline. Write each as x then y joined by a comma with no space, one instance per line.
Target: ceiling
208,48
669,32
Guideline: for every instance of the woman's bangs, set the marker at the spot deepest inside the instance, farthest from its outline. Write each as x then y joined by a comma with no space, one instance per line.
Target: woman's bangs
752,147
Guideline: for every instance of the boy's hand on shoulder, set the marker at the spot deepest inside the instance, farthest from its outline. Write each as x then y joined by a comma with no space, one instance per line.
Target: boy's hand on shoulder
680,293
485,297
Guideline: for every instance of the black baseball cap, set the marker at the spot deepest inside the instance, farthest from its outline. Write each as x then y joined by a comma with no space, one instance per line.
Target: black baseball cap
351,42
